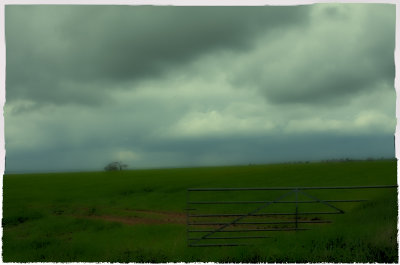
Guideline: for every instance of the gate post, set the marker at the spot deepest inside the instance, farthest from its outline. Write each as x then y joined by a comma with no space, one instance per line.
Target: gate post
296,216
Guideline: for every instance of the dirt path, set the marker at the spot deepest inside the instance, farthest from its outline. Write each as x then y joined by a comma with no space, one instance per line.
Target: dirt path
135,217
151,217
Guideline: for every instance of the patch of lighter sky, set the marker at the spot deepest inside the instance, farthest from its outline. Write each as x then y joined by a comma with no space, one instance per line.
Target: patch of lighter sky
126,155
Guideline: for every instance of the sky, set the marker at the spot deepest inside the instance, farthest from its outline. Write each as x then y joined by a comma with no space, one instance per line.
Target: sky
158,86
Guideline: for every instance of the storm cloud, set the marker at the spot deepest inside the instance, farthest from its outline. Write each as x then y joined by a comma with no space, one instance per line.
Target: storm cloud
345,52
196,86
78,54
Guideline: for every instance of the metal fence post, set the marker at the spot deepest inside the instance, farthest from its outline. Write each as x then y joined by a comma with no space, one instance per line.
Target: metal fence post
187,217
297,196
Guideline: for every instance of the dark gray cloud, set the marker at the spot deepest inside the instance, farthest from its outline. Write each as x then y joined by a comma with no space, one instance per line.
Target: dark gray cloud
59,54
346,52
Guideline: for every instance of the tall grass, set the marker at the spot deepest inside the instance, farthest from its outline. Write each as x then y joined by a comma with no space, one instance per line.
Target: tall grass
49,217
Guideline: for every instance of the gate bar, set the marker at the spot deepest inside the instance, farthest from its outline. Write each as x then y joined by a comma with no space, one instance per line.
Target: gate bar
294,188
218,245
272,223
246,230
255,202
259,214
232,237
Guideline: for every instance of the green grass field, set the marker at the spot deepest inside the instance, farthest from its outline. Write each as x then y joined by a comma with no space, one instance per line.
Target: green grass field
139,216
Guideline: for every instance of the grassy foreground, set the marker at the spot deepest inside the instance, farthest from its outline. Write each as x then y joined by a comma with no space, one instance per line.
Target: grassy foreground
138,216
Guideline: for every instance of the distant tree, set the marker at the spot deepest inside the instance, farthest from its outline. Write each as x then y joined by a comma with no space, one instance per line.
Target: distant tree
115,166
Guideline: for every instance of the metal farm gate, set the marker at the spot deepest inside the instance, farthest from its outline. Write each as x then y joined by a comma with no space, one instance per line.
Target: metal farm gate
242,216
